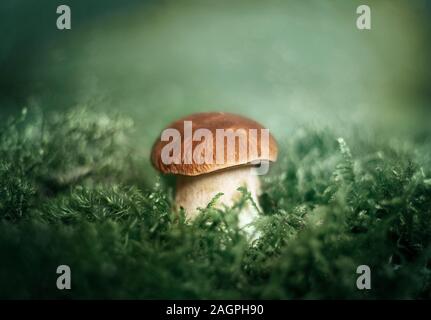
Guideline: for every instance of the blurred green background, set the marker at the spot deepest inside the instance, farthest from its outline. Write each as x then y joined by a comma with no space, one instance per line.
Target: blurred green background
349,108
285,63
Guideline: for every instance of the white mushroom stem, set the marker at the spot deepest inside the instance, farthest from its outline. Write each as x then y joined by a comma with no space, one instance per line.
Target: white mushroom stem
193,192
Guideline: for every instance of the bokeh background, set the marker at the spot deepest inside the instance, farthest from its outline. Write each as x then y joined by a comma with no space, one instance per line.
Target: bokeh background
349,108
287,64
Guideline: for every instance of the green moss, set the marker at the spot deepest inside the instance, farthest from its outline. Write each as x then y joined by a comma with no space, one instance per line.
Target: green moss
72,191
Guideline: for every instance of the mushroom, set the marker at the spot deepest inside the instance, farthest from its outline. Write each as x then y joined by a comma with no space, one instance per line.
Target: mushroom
206,152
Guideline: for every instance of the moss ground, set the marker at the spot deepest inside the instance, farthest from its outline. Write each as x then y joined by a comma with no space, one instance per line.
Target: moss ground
72,191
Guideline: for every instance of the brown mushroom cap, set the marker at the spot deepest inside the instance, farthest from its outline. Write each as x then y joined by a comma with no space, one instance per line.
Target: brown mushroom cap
213,121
